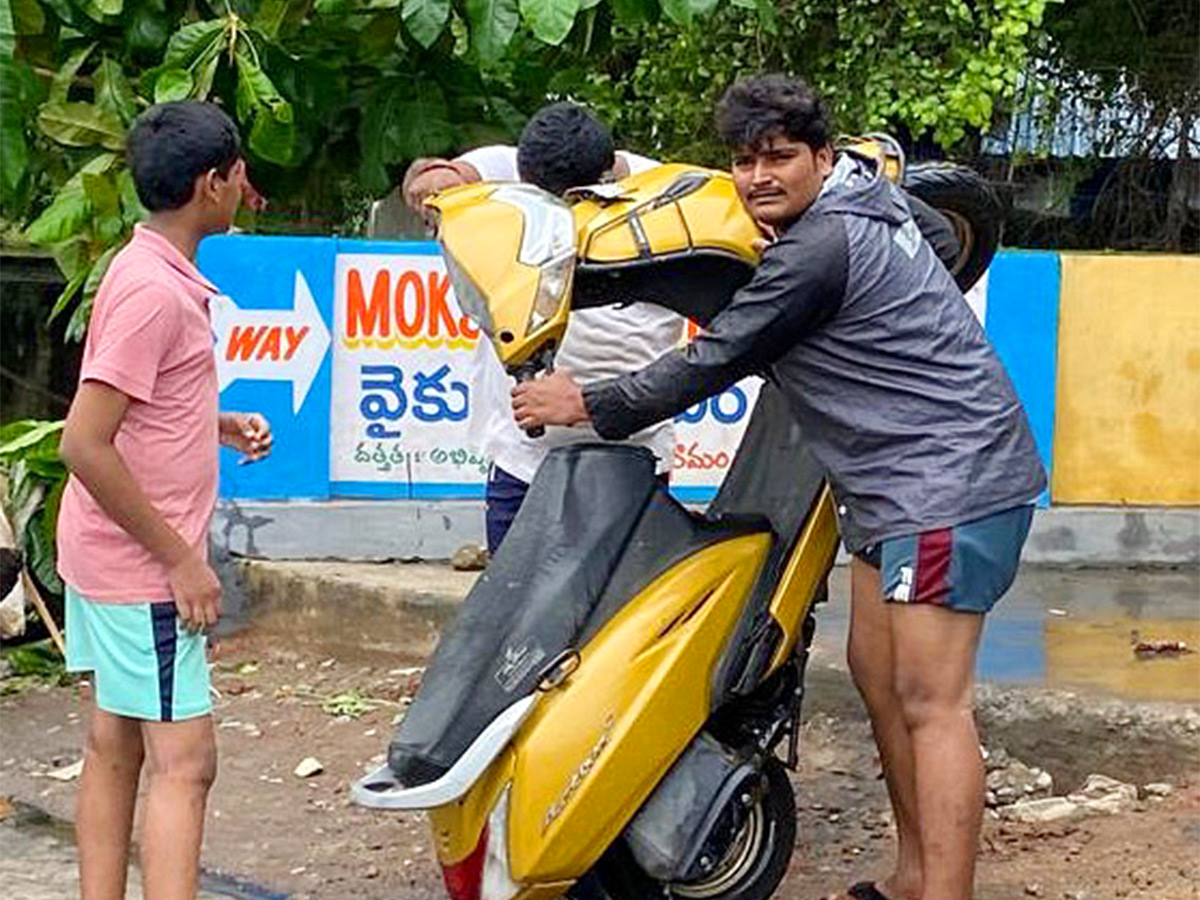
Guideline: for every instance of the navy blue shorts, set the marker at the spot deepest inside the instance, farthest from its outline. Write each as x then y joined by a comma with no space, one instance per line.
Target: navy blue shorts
966,567
503,497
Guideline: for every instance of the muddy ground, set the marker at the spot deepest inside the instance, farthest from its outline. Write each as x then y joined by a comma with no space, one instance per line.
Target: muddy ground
283,700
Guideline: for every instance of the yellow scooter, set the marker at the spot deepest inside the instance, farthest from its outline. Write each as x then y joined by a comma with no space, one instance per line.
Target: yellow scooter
605,715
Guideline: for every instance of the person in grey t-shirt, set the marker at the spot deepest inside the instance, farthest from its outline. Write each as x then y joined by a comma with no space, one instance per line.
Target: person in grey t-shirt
908,408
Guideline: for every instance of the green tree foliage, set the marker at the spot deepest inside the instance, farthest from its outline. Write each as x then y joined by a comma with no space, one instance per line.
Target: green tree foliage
933,70
334,97
1117,87
1146,49
34,481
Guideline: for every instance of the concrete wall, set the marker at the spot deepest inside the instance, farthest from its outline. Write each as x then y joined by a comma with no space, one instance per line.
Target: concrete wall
1021,316
1103,349
417,529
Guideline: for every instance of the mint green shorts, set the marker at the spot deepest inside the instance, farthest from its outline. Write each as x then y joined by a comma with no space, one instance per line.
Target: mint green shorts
144,663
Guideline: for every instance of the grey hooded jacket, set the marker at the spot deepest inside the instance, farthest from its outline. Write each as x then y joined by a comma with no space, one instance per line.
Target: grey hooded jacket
884,365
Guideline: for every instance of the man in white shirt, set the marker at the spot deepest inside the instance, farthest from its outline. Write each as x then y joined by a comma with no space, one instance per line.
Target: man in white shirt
562,146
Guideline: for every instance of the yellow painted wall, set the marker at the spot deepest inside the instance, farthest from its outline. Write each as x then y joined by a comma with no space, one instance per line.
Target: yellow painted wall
1127,426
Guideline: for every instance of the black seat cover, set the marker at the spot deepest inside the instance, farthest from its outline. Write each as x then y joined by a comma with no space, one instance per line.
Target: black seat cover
593,531
532,602
773,475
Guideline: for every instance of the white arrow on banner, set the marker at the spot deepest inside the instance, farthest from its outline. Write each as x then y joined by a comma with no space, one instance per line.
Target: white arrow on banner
271,344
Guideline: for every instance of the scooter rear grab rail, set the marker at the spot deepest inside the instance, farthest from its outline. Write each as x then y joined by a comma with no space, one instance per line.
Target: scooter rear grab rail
381,789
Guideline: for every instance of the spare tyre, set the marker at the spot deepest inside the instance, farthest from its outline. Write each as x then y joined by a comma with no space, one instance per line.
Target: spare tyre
963,196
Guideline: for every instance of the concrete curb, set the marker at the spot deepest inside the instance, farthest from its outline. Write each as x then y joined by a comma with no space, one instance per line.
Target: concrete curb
433,530
1115,536
389,613
420,587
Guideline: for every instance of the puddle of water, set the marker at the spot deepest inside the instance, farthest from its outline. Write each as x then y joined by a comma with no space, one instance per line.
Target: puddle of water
1071,629
1098,653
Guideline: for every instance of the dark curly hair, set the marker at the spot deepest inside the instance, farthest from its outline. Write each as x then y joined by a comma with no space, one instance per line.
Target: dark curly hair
170,144
762,106
564,146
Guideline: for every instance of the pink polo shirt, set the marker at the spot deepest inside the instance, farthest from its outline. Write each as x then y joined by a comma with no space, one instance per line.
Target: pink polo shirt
149,338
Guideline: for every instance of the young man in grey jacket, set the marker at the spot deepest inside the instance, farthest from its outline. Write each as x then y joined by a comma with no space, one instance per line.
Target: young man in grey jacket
907,406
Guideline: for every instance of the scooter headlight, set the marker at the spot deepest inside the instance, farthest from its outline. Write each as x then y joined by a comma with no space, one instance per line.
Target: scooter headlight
548,243
554,286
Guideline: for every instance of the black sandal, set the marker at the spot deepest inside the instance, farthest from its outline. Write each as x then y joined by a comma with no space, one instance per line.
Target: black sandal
866,890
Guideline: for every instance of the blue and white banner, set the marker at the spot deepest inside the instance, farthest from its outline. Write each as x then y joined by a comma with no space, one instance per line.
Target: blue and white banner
359,354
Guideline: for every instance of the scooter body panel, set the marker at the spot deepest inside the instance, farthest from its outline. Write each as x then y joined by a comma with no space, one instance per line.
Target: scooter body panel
650,216
458,827
806,570
597,745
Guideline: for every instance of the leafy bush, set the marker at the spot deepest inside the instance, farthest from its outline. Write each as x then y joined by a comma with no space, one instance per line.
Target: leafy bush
34,478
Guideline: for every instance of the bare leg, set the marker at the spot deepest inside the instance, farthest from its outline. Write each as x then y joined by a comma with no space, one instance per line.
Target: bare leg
181,764
108,789
872,665
935,665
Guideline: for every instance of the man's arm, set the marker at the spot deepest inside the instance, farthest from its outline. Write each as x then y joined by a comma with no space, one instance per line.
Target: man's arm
87,449
798,286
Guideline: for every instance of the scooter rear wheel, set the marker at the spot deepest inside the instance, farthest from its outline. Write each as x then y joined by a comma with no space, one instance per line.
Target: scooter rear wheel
750,870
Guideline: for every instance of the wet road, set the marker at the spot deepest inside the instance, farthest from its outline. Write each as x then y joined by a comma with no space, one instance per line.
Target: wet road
1071,629
1057,628
37,862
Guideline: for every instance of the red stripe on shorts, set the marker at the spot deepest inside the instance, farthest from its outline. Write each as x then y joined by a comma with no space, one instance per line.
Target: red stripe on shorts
933,566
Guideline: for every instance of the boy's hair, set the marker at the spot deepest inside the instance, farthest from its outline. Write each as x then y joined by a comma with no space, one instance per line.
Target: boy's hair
564,146
170,144
760,107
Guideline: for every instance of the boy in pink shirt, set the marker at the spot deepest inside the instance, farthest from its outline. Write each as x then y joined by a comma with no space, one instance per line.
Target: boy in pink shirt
141,443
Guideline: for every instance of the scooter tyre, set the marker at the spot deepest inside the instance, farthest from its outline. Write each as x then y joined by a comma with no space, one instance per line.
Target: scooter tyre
757,878
968,201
